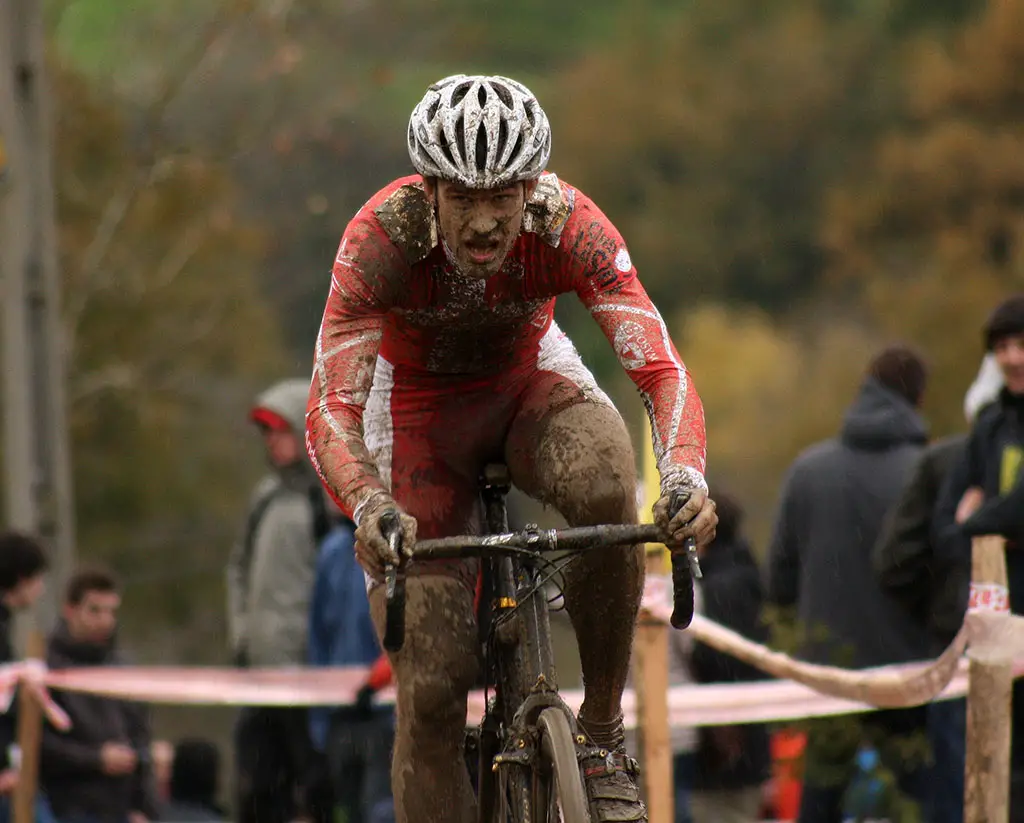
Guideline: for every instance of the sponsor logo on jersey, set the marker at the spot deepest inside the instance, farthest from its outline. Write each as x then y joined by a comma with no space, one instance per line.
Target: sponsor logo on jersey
632,347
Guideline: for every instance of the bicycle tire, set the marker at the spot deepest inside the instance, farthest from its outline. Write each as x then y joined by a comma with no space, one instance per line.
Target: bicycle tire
559,749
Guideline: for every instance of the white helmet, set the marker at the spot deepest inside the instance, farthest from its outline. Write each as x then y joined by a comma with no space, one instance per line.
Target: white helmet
482,132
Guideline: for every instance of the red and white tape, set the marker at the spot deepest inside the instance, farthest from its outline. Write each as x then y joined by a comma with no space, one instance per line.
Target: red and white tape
31,675
990,597
710,705
828,691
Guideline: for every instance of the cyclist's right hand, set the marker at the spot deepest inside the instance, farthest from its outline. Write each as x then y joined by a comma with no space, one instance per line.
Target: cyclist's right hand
372,547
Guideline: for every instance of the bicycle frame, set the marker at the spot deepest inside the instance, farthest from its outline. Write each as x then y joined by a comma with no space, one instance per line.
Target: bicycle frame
512,581
524,666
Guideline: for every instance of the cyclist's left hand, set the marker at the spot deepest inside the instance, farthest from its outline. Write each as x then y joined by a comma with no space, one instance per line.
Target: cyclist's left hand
697,519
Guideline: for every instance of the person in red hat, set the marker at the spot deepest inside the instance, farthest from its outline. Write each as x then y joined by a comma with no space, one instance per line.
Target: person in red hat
270,584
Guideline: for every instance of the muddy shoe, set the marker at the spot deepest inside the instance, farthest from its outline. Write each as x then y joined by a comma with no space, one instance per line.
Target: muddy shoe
611,780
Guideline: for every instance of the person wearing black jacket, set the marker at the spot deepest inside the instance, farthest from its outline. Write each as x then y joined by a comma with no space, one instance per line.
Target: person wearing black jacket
23,565
933,588
98,771
733,762
983,492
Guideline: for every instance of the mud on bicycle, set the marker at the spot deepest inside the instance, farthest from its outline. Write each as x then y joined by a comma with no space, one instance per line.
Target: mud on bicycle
531,756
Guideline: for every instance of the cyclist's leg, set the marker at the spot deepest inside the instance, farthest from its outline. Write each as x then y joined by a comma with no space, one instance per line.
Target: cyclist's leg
434,672
429,445
579,459
569,448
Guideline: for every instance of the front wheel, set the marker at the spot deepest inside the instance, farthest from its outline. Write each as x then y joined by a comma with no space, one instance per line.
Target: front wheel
558,750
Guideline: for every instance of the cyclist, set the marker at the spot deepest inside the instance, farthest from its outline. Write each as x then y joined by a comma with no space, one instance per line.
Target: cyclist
437,354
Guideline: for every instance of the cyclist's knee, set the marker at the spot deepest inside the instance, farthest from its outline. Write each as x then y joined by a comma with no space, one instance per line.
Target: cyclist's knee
599,475
584,466
437,665
434,699
600,496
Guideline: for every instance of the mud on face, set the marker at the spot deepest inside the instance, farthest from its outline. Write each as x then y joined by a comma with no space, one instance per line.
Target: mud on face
478,226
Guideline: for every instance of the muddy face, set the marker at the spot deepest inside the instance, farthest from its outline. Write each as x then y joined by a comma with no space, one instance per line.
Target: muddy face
478,226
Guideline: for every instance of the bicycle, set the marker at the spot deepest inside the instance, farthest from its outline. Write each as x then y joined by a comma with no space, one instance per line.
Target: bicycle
530,749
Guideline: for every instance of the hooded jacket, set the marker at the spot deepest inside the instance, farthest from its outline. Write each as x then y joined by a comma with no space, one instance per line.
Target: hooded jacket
271,568
833,503
71,769
931,585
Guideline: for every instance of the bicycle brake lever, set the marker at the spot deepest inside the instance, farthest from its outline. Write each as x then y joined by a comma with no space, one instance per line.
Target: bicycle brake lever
683,574
390,525
394,583
677,501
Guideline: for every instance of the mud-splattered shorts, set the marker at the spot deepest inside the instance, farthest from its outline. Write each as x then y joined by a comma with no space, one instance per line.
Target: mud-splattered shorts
432,436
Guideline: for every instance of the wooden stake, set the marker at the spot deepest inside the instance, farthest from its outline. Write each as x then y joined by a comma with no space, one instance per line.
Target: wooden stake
987,775
650,667
30,738
650,677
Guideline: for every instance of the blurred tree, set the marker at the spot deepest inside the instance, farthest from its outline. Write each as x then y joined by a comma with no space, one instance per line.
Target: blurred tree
708,131
168,339
712,140
907,16
769,389
933,235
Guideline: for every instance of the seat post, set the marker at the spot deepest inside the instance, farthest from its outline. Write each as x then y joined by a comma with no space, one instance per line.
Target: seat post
495,483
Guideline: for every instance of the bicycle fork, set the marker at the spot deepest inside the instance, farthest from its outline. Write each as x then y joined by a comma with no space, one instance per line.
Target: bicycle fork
522,642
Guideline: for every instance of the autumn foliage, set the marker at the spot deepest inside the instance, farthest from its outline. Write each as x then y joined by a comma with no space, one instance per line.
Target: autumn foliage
799,182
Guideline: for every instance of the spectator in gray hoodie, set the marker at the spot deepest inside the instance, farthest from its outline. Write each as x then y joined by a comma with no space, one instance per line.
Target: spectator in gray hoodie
834,500
270,584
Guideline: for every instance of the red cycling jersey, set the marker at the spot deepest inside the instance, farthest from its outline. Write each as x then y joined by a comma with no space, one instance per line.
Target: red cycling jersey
394,294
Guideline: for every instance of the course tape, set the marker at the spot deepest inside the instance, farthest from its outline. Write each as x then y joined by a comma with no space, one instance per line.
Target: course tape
710,705
803,690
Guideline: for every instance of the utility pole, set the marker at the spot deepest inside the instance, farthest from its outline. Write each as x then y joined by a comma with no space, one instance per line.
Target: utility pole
36,451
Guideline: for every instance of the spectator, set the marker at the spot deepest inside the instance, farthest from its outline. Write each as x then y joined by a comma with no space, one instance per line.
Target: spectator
270,583
933,589
98,771
833,503
357,739
733,762
195,770
22,569
984,480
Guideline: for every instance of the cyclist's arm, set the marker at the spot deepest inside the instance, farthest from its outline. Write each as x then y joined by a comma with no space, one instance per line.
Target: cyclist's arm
346,355
607,284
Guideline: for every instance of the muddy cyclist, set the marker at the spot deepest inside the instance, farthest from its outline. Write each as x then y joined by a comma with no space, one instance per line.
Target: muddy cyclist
438,353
